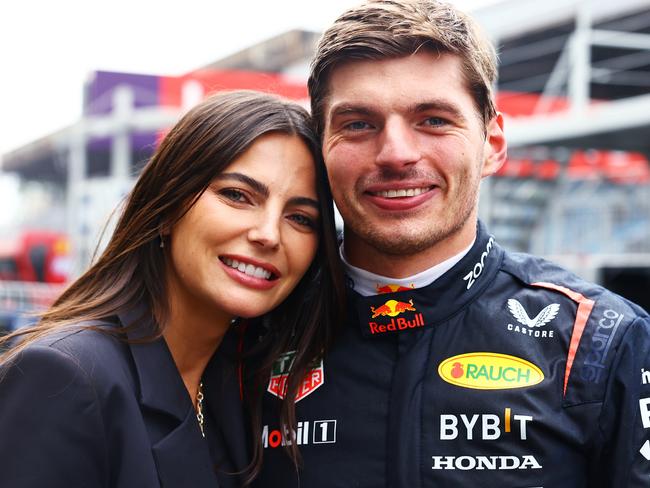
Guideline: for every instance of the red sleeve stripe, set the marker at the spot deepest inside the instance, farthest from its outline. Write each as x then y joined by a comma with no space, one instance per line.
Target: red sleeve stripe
585,305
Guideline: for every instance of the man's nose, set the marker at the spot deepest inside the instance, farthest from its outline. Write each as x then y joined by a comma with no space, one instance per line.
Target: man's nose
398,145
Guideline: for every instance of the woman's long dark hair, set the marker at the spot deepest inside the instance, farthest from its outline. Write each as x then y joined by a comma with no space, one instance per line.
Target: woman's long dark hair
131,270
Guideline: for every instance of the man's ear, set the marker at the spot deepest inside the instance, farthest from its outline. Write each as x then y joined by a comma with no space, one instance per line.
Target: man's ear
496,148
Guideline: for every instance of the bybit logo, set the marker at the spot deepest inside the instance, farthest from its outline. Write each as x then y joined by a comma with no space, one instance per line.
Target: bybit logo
483,426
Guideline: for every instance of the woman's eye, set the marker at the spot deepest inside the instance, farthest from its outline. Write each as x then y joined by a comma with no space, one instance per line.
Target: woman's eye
234,195
303,220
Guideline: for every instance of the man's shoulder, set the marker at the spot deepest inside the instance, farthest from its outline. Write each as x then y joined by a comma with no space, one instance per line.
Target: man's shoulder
533,270
530,269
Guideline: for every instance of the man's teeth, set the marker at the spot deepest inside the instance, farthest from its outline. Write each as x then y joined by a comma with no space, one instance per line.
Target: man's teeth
410,192
248,269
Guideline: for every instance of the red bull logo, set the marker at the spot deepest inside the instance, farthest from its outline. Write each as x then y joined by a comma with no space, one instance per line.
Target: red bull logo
393,308
392,288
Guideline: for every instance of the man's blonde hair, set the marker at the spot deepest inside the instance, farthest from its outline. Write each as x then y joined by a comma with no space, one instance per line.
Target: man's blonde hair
382,29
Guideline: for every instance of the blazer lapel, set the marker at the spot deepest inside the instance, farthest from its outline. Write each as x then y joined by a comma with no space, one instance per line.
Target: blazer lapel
183,459
224,401
181,453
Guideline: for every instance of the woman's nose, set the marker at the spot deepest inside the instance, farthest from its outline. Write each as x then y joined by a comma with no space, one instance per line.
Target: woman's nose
266,232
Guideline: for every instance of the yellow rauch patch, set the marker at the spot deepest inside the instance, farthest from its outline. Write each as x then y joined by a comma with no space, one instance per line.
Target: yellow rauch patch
489,371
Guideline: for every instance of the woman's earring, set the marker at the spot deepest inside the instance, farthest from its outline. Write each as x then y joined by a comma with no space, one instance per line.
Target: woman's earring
162,241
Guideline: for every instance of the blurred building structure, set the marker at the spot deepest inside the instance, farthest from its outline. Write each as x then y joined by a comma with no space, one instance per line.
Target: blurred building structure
574,84
574,81
87,169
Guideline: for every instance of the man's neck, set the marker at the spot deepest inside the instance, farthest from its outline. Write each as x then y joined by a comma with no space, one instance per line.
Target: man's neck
366,283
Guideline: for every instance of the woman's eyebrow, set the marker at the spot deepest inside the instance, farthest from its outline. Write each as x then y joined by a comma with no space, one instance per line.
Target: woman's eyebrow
258,186
310,202
263,190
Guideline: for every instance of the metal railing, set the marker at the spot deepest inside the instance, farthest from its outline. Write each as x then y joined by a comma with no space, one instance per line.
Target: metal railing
20,301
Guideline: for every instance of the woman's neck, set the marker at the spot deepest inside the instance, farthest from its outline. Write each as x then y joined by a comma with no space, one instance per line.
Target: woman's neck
192,339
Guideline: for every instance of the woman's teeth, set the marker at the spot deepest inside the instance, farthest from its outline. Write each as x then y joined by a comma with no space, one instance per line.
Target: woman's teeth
248,269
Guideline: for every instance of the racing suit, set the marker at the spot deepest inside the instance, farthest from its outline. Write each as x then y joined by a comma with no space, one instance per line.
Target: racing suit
507,371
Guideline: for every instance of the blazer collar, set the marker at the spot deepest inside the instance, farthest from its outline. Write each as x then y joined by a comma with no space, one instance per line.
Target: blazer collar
183,458
182,455
223,399
161,385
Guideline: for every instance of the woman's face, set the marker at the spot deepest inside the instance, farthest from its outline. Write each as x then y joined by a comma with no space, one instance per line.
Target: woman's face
250,237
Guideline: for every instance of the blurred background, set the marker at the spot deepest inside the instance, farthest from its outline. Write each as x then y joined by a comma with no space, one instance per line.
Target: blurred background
89,89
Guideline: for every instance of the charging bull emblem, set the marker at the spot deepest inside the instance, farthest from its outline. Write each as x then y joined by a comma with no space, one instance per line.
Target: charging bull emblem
392,308
392,288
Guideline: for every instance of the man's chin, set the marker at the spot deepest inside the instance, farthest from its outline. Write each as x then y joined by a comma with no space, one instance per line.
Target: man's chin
399,243
403,238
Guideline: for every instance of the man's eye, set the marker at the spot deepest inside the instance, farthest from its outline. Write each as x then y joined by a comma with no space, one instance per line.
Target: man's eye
357,125
234,195
435,122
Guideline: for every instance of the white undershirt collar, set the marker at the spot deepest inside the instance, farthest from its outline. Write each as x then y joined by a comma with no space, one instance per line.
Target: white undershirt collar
366,283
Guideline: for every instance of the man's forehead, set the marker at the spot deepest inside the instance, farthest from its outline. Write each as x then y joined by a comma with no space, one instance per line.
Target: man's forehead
408,80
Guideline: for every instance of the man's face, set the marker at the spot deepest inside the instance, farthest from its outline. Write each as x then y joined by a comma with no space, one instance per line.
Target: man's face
406,149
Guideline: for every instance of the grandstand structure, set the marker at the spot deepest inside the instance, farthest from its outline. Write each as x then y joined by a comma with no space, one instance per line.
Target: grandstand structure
574,82
574,85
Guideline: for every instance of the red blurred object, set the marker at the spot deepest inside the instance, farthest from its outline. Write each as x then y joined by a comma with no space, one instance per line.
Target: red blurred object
213,81
613,166
36,256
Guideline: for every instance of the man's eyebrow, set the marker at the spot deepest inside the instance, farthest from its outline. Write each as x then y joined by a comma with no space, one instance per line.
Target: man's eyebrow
440,105
348,108
258,186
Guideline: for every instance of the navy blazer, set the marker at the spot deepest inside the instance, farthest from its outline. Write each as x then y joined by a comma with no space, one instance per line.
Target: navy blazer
82,409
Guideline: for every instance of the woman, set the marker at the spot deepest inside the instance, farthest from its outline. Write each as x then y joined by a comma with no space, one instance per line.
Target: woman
119,384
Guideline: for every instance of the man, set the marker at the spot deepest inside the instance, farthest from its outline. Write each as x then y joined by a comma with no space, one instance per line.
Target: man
461,364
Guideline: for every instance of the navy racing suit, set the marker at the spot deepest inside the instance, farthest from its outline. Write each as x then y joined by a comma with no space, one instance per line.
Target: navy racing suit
507,371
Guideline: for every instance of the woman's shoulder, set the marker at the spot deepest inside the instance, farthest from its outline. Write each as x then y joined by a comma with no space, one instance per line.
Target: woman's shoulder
93,348
91,337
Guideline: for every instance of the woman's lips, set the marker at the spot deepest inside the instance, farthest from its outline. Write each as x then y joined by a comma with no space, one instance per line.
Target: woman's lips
250,272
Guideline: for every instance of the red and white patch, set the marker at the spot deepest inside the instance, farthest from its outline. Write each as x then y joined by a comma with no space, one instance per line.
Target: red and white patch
314,378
